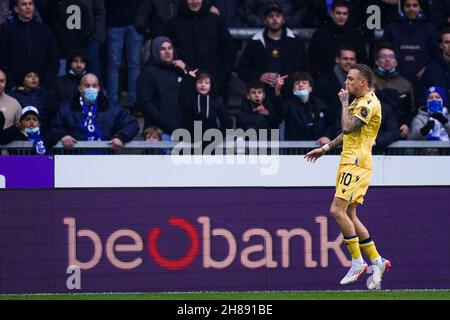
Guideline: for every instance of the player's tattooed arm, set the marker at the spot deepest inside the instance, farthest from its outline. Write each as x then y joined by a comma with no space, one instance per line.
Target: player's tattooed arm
337,141
349,123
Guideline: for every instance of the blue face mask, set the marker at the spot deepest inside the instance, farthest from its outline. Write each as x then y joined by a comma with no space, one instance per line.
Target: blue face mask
31,131
434,105
91,94
388,71
301,94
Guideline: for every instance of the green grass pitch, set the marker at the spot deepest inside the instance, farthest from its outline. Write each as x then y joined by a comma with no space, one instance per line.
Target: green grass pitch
289,295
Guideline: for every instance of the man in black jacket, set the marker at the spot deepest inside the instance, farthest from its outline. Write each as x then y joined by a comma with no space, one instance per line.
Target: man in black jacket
272,52
27,45
389,131
159,87
332,35
202,41
333,81
59,14
63,88
440,12
437,73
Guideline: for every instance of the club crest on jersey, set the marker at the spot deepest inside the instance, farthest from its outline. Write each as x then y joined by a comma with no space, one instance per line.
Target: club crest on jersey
364,112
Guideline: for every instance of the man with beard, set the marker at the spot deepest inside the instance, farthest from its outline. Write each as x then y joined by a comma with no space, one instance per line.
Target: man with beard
272,52
64,87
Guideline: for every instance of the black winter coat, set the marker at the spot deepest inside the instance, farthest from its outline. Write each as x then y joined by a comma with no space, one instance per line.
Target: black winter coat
159,87
37,98
55,15
440,11
202,40
437,73
326,41
415,43
249,119
27,47
213,115
120,13
252,64
153,16
64,87
389,131
327,88
306,121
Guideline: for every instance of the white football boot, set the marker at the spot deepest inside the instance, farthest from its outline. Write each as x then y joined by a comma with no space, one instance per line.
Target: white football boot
378,272
354,273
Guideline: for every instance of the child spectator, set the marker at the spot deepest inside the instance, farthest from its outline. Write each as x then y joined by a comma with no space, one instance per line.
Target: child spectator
431,122
152,134
206,106
31,94
28,129
257,112
306,116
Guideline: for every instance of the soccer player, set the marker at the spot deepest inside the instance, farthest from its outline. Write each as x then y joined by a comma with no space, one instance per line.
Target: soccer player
360,122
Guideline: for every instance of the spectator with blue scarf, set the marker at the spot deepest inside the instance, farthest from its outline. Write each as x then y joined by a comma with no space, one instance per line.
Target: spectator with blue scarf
89,116
28,129
431,122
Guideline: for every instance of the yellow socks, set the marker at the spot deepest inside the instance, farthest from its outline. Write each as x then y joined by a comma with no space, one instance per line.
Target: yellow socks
370,250
352,244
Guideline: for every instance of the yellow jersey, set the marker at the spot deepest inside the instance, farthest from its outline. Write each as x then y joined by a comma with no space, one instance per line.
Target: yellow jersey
357,146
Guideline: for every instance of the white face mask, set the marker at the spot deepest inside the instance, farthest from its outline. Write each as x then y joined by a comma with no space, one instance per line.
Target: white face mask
302,94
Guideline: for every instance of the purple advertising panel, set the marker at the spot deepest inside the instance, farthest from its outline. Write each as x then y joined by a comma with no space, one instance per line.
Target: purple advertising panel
213,239
26,172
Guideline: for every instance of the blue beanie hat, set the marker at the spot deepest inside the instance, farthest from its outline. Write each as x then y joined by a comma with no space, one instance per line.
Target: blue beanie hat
438,90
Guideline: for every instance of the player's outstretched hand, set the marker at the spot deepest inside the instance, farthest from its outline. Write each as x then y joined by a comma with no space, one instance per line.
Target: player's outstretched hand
313,155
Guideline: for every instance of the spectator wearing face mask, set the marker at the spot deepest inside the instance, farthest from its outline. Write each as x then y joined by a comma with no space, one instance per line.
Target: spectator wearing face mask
306,116
431,122
28,129
89,116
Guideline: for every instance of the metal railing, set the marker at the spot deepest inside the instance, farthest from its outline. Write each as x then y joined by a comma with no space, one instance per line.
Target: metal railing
406,148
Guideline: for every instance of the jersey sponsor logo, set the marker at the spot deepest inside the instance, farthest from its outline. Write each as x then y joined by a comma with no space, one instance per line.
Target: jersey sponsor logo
364,112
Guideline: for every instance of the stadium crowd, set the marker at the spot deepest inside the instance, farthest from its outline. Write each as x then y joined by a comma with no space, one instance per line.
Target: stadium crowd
66,64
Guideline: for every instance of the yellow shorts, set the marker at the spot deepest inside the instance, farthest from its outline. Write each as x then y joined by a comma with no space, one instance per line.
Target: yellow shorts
352,183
